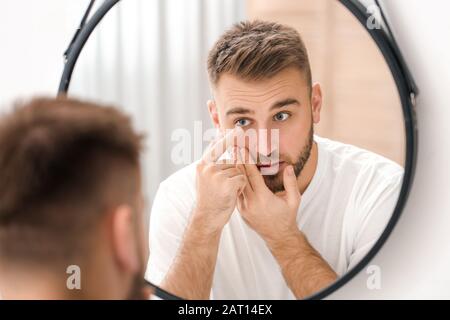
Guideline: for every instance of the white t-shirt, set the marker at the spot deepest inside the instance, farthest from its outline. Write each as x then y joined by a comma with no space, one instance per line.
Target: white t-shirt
344,210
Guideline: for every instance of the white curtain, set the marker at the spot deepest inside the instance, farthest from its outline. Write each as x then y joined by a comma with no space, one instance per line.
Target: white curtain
149,58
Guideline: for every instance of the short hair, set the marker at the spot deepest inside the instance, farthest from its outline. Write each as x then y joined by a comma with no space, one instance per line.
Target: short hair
254,50
62,163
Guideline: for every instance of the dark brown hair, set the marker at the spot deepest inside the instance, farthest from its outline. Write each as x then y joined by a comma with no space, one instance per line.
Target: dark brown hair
62,163
258,49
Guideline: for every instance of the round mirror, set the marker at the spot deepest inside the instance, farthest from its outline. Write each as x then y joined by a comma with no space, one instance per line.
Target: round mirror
323,77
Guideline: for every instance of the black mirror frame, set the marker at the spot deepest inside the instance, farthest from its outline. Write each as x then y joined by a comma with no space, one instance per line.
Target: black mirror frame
406,87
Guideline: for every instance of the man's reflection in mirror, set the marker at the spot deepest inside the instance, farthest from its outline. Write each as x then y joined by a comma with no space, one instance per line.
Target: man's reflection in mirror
71,212
225,230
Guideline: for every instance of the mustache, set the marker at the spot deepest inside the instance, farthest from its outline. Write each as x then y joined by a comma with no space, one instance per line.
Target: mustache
273,157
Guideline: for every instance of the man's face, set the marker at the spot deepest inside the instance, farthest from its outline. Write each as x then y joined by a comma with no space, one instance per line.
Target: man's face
283,105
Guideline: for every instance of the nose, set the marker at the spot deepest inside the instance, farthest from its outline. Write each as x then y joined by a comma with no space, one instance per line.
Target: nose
268,141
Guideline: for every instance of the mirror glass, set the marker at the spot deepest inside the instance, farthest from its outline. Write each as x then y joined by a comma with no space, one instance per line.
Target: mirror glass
343,134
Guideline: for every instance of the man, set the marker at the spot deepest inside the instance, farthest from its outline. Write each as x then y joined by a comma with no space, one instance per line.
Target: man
71,217
228,231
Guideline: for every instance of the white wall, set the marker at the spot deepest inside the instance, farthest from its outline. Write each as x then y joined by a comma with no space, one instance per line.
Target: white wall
33,37
415,262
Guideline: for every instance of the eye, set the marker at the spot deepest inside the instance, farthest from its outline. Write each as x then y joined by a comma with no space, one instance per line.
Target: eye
281,116
242,122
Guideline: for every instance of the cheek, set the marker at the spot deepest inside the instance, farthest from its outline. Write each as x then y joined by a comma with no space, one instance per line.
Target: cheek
292,138
287,144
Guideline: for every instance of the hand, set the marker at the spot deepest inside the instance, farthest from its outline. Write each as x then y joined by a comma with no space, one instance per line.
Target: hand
272,216
218,186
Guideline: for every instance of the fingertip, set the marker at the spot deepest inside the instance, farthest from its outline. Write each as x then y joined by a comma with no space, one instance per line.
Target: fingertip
238,130
234,155
290,180
242,154
290,170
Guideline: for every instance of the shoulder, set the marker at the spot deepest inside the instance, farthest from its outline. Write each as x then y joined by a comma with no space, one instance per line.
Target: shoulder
358,162
181,179
369,182
175,195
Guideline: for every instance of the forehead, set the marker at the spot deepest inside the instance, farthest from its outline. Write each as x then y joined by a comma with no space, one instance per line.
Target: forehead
232,89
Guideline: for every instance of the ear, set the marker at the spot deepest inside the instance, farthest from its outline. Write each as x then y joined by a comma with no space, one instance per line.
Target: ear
124,239
316,102
212,108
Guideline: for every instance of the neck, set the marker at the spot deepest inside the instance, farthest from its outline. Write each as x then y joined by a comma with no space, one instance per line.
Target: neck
307,174
56,284
22,285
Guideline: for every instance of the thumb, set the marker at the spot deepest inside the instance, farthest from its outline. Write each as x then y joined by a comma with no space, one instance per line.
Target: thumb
291,186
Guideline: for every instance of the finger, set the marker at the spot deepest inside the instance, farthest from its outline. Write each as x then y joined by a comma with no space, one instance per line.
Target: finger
255,178
291,186
219,166
234,155
238,182
231,172
219,148
240,166
239,162
230,162
242,204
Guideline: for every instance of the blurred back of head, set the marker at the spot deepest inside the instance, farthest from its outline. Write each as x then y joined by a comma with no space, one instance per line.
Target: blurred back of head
64,166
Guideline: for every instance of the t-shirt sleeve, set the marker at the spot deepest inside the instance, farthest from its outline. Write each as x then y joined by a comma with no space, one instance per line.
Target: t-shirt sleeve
168,219
373,211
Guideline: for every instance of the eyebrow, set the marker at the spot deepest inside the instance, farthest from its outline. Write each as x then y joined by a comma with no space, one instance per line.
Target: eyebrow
284,103
276,105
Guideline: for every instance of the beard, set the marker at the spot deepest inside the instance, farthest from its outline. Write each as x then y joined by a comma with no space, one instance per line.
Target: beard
137,288
275,182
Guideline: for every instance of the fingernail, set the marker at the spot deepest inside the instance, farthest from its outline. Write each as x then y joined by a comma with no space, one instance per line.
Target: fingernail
242,154
238,152
290,170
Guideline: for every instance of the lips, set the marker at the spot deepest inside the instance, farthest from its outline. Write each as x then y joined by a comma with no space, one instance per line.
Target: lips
269,165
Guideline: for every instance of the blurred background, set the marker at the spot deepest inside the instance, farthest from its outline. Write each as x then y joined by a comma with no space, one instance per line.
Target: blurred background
361,104
148,56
